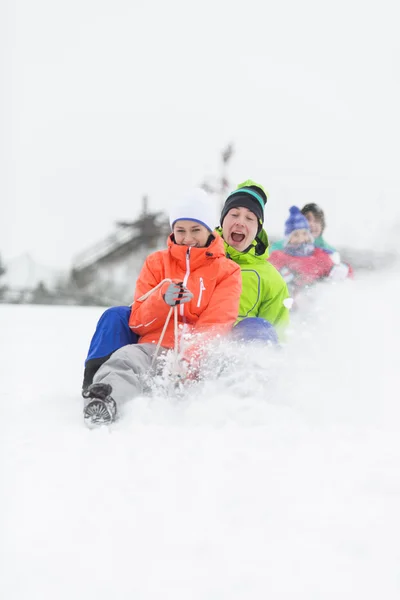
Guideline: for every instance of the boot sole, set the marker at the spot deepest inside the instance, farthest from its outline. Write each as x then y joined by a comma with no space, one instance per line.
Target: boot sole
97,413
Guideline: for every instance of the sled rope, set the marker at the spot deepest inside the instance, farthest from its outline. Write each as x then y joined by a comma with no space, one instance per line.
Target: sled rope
147,294
173,309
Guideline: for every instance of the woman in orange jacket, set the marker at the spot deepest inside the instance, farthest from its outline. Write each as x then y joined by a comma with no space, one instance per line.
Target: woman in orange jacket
191,278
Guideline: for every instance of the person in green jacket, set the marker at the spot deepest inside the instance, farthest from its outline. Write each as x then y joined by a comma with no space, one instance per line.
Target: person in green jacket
264,291
316,219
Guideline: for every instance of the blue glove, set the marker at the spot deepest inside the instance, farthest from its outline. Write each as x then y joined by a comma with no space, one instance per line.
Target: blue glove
177,293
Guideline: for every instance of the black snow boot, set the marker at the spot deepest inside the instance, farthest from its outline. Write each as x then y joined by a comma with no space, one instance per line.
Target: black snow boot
91,367
101,408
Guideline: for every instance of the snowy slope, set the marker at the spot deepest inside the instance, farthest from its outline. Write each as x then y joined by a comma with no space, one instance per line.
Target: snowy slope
281,482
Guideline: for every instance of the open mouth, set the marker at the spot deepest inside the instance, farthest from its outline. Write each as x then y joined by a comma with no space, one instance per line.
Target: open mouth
237,237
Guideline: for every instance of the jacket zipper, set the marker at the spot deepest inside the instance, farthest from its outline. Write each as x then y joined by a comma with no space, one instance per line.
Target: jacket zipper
182,306
202,289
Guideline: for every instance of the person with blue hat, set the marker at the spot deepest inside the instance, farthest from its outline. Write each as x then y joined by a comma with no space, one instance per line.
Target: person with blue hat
317,222
300,262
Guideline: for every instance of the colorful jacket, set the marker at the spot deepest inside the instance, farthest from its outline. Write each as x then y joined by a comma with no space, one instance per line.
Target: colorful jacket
302,270
214,281
263,289
319,242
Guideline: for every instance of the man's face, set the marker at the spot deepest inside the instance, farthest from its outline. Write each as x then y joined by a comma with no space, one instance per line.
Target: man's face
315,224
239,228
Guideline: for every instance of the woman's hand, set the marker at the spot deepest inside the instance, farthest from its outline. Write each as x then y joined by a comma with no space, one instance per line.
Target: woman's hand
177,293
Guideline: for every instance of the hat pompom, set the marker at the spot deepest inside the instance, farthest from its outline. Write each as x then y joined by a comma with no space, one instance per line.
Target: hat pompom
295,221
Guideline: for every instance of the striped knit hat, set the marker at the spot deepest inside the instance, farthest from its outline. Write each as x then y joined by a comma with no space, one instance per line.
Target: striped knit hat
295,221
248,194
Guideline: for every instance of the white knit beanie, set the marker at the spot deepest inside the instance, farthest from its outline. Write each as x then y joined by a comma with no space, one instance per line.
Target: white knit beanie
196,206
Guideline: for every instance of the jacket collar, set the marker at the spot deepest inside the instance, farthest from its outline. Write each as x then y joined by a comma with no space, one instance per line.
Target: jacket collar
197,256
258,249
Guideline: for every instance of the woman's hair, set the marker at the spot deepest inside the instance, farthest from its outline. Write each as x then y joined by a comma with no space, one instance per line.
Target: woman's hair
316,211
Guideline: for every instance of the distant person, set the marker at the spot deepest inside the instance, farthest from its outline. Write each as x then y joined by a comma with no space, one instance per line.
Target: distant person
263,313
301,262
316,219
192,277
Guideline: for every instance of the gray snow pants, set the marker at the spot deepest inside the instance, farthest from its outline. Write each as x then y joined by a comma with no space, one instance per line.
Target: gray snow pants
124,370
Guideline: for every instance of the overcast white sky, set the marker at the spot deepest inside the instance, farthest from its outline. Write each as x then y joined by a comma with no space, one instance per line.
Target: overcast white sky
102,101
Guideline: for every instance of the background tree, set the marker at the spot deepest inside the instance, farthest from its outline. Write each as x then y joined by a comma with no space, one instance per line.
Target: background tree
2,267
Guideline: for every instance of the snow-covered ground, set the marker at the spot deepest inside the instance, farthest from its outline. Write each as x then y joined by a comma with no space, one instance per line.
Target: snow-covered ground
281,481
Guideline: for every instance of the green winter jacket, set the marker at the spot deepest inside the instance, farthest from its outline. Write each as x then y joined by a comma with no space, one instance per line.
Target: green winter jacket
263,288
319,242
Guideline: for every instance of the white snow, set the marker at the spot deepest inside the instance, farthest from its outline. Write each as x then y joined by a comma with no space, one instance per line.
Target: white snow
280,482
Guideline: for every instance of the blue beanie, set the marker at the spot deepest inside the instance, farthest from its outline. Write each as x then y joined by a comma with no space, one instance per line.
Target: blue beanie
295,221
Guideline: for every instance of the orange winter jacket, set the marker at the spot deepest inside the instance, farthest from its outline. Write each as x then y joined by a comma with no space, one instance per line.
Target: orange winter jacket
214,280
